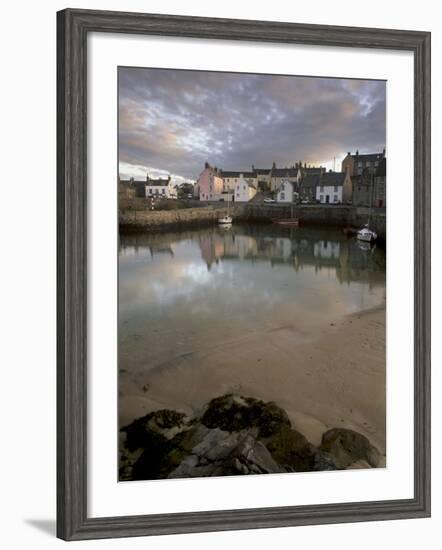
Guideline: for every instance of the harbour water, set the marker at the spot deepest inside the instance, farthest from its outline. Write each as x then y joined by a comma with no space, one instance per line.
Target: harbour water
201,310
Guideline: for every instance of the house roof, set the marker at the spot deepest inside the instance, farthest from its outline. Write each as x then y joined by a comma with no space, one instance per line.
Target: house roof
284,172
332,178
312,170
262,171
157,183
327,178
310,180
231,174
369,157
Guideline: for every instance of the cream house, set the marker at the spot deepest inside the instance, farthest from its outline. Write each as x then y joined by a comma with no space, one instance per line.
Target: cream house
244,191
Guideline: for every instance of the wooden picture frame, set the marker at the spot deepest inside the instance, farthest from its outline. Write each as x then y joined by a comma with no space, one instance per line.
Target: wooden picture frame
73,27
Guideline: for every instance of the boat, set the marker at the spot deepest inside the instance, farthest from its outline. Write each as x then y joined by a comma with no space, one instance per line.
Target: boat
227,219
366,234
287,222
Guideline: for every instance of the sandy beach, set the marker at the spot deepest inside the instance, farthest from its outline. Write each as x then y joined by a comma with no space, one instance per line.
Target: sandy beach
334,377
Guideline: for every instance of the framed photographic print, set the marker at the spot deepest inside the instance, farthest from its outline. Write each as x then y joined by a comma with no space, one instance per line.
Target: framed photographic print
243,274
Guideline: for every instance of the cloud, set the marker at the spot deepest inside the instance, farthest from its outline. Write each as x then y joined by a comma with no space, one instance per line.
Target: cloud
172,121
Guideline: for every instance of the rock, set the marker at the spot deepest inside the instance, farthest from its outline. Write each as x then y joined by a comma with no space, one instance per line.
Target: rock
323,462
164,423
127,461
347,447
292,450
252,457
235,413
223,453
359,465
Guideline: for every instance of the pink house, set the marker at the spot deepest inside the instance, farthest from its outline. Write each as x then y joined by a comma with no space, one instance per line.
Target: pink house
210,183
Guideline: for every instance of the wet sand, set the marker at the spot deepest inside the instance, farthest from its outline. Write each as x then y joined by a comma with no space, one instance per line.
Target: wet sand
334,377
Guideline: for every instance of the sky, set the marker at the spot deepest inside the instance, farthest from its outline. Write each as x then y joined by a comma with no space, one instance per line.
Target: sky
173,121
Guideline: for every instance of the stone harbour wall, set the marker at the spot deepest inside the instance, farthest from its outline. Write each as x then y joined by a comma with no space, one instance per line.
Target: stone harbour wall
332,215
148,220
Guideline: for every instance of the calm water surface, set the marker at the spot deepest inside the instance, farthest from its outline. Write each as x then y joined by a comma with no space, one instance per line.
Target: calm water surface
187,291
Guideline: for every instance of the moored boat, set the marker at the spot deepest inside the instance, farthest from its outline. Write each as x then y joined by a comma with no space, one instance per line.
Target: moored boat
225,220
367,235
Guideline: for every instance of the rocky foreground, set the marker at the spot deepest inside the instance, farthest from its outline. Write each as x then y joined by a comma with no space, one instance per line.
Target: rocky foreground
234,435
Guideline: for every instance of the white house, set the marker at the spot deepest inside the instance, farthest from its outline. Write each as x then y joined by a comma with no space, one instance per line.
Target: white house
334,188
231,178
285,192
160,188
244,191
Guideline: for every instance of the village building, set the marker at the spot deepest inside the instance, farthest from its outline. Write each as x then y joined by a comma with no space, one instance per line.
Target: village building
126,189
354,164
263,176
230,179
380,185
244,190
362,188
285,192
369,188
334,188
310,170
210,183
160,188
281,175
307,187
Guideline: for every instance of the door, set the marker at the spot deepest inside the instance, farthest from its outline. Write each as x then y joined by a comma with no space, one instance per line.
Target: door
327,198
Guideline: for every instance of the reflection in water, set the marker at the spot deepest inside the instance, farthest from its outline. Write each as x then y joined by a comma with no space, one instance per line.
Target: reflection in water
186,290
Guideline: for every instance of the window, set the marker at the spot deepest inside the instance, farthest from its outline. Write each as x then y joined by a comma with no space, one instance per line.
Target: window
282,196
163,191
335,198
322,188
336,188
321,198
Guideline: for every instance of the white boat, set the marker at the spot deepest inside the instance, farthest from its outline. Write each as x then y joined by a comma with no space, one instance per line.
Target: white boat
367,235
225,220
